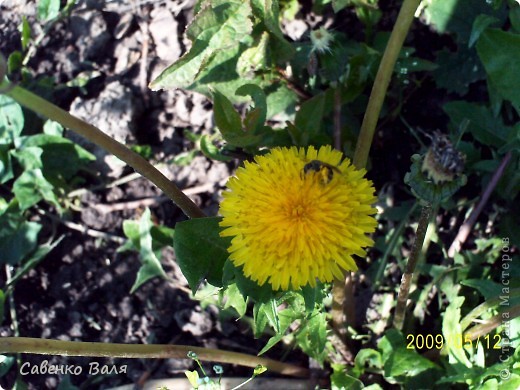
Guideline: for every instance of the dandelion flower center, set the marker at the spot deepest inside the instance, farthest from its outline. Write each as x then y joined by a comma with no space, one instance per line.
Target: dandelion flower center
297,215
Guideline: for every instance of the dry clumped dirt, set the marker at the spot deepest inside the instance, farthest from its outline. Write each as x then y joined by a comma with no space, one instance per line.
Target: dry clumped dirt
81,290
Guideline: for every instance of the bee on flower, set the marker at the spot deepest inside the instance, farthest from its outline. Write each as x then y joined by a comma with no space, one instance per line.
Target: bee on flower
296,216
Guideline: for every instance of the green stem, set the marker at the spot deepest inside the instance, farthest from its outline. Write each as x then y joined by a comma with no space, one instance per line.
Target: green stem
406,280
340,298
492,323
384,74
156,351
485,306
93,134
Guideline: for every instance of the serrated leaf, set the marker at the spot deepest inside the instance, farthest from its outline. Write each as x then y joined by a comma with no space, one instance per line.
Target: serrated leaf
200,251
220,25
286,318
151,266
31,187
400,361
452,332
499,51
312,337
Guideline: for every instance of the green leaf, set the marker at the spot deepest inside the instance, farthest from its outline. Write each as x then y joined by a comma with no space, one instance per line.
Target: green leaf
219,26
312,337
6,167
229,123
309,296
482,124
151,266
31,187
235,300
268,12
340,380
338,5
33,260
48,9
271,313
286,318
201,252
367,358
11,120
60,157
452,332
210,150
514,18
458,69
400,362
256,117
487,288
458,16
161,236
254,58
309,117
6,362
19,243
246,286
25,29
499,51
480,23
51,127
259,320
29,157
193,378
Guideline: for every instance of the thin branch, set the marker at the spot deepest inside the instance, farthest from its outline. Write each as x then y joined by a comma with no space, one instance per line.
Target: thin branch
492,323
375,102
406,280
466,227
141,351
93,134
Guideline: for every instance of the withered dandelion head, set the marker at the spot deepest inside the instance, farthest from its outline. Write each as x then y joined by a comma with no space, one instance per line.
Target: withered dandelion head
297,215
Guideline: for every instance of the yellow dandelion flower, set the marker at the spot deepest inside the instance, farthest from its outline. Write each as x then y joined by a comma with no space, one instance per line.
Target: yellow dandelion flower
297,215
